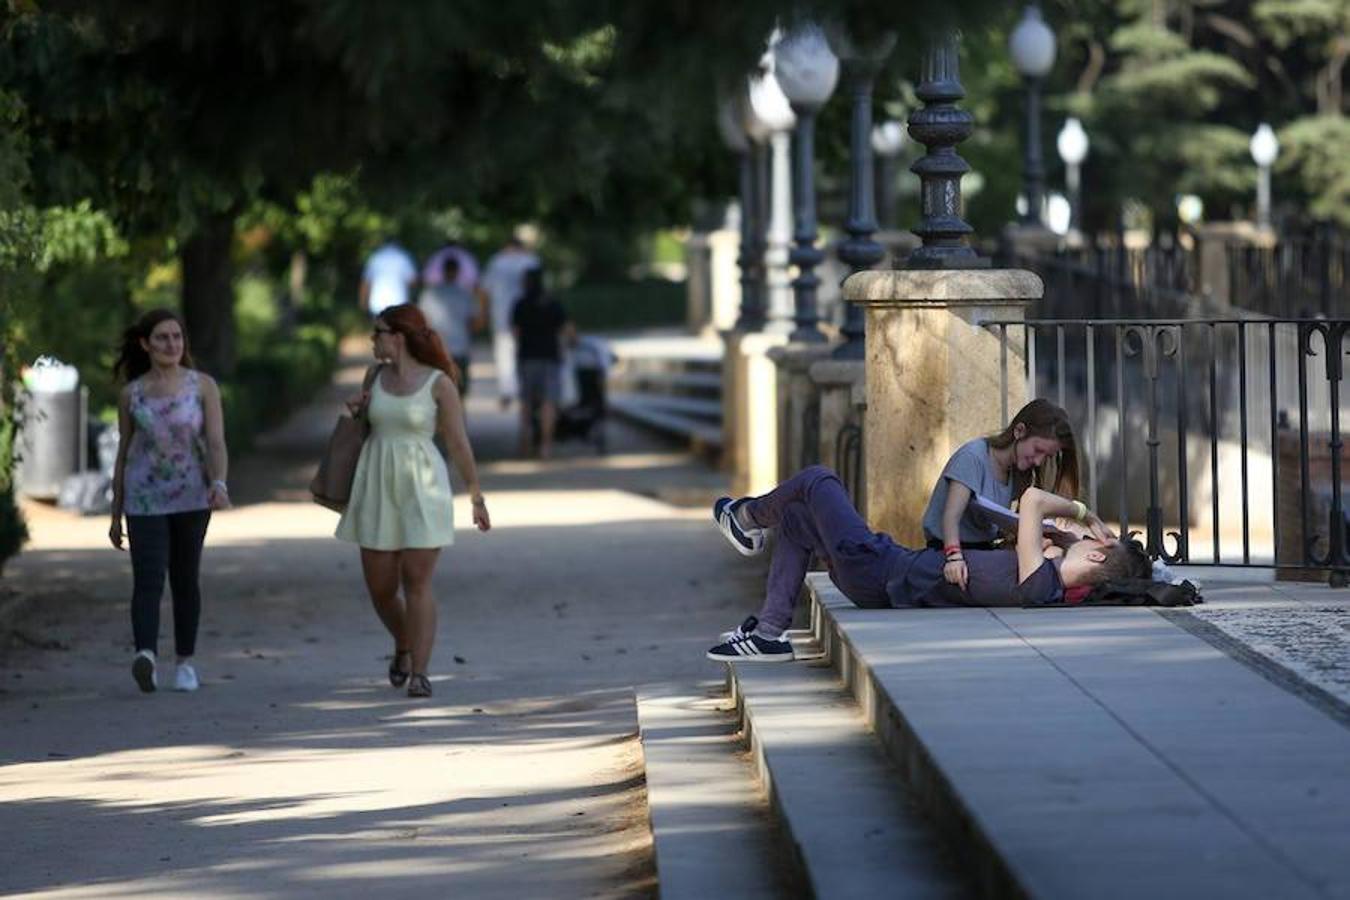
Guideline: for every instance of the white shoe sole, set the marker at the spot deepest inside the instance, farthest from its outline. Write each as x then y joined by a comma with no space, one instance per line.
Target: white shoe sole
763,658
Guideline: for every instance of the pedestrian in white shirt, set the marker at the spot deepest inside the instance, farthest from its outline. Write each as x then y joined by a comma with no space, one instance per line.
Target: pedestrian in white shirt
388,278
504,280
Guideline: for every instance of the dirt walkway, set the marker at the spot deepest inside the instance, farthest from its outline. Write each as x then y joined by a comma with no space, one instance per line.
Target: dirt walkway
296,770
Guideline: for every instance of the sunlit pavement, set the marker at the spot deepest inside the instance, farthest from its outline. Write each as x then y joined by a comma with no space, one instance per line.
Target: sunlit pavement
297,770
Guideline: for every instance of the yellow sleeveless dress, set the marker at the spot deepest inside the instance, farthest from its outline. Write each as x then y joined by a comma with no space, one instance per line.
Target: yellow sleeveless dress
401,496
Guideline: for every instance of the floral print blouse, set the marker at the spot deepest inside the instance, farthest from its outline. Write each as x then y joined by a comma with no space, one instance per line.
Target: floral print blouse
166,460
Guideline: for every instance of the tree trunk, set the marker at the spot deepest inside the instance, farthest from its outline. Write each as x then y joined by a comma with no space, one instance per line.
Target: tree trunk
208,294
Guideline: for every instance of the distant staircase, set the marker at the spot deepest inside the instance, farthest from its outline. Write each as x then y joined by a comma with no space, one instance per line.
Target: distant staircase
672,385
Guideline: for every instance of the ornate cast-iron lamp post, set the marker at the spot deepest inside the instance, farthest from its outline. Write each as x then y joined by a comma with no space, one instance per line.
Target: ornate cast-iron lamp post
888,139
861,60
1265,149
731,122
807,71
1032,45
772,113
940,125
1073,145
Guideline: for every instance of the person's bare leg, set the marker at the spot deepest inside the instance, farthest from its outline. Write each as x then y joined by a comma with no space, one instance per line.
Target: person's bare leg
381,568
548,419
416,570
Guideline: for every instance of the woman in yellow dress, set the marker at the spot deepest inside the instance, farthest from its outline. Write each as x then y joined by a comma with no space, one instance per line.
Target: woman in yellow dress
400,511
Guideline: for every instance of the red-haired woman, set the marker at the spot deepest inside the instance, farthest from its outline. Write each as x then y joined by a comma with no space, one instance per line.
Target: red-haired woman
400,511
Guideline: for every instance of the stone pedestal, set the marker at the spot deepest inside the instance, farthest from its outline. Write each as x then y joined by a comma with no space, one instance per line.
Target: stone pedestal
713,294
750,412
798,406
837,381
1029,241
934,377
1214,239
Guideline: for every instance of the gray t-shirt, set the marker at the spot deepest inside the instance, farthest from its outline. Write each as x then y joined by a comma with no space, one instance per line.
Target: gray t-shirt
449,310
970,465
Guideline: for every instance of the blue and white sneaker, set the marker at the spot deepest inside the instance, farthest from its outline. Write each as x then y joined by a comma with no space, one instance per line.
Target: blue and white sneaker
747,541
753,648
740,631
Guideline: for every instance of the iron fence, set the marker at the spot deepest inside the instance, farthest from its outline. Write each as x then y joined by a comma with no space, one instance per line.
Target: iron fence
1220,437
1297,276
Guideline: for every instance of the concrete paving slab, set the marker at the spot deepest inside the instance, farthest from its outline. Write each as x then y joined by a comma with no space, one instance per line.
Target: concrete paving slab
711,830
1275,765
1017,725
856,830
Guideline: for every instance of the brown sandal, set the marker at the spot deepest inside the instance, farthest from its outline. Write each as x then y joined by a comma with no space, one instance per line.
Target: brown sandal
419,685
399,677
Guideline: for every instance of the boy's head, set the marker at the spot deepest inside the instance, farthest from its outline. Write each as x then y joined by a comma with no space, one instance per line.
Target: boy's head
1091,561
450,269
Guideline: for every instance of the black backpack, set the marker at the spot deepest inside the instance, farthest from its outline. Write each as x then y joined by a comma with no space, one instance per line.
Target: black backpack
1142,592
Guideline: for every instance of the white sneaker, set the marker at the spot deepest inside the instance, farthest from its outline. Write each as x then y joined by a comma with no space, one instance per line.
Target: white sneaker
185,679
143,670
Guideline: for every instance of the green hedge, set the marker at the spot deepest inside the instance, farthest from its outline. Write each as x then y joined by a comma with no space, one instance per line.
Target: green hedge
645,303
280,376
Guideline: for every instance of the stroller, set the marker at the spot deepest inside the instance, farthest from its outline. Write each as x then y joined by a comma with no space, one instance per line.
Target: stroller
584,419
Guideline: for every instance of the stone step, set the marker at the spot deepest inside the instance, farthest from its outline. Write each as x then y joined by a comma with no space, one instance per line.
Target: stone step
1098,752
641,409
840,803
670,382
712,835
694,407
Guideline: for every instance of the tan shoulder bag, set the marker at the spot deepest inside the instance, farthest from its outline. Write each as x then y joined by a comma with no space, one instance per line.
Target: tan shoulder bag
332,484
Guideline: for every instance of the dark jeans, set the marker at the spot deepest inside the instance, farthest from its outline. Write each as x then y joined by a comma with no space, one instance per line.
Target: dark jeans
172,544
814,517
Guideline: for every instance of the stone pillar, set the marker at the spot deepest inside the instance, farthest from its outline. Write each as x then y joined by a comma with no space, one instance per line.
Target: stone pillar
837,380
1023,241
798,406
934,377
698,281
750,411
1214,239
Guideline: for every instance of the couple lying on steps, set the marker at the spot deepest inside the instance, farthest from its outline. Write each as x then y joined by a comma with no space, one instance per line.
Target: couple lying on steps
812,516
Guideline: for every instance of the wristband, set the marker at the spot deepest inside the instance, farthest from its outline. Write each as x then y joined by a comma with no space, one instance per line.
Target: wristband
957,558
218,483
1080,510
951,548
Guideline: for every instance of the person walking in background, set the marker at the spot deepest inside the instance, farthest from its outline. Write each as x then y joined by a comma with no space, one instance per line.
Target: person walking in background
540,325
433,270
168,477
388,278
504,281
454,314
400,512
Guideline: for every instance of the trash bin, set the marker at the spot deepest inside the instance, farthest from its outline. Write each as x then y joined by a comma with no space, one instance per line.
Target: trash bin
51,444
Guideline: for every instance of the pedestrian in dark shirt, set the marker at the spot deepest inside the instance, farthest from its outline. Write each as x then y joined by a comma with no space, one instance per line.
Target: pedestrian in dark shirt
813,516
540,326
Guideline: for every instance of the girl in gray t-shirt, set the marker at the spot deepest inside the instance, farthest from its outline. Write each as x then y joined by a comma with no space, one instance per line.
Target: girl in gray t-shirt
1037,447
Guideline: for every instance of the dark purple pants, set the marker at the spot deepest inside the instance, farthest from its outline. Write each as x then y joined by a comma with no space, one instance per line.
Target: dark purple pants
814,517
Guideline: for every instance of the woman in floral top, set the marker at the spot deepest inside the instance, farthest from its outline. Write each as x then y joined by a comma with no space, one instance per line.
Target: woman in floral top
170,474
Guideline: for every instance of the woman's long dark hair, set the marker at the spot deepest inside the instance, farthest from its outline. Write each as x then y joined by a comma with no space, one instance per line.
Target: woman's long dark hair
133,360
1058,474
424,344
